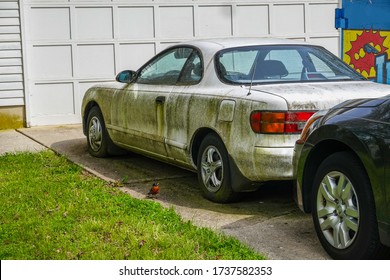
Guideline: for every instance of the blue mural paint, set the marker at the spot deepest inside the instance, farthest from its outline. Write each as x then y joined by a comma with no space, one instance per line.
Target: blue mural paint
367,14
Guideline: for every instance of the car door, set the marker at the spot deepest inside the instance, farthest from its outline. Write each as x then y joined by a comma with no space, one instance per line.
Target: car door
139,109
178,109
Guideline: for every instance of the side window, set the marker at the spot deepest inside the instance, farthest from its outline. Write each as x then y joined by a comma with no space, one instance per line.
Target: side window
165,69
192,71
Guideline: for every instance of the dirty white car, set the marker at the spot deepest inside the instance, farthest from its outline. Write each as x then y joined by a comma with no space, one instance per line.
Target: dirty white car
230,109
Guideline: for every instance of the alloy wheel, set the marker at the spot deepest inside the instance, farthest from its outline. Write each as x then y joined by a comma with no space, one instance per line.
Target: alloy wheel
212,169
95,134
338,210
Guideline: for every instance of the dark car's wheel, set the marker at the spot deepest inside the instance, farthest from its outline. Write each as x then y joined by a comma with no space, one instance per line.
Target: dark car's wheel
213,170
98,140
343,209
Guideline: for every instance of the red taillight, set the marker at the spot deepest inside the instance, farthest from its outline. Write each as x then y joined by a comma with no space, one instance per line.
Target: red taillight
279,122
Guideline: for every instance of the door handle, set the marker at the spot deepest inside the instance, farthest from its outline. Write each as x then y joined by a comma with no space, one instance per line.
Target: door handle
160,99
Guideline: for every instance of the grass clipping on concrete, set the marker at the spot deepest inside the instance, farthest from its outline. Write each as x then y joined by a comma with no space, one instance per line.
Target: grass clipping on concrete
52,209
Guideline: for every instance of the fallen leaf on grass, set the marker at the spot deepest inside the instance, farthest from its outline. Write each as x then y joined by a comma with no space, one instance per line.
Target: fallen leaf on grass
141,243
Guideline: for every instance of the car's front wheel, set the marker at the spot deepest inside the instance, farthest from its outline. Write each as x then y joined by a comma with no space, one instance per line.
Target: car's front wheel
343,209
97,136
213,170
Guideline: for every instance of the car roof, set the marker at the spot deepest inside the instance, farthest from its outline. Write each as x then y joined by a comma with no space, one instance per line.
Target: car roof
233,42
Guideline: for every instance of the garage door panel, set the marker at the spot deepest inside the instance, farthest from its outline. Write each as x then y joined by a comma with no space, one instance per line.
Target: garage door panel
214,21
288,19
252,20
52,99
95,61
94,23
49,24
321,18
176,22
135,23
51,62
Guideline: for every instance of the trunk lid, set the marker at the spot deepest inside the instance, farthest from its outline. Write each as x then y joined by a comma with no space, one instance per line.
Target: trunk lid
321,95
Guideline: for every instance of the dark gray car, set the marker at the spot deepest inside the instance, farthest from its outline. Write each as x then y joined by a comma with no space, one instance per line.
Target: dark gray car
342,166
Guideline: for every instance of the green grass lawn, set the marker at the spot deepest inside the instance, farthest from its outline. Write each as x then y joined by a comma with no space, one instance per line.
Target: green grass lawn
52,209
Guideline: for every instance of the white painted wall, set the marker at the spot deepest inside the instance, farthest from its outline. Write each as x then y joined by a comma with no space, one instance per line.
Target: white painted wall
70,45
11,68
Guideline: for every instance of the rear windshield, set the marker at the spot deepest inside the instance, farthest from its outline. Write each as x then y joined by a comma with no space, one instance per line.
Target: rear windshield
278,64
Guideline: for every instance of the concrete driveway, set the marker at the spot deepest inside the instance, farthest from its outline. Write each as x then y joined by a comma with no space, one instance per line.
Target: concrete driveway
267,220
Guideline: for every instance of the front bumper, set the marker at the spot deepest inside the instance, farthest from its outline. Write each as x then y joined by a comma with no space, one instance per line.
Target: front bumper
297,174
384,233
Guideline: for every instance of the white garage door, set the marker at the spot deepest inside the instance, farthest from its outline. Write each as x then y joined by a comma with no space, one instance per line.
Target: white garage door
73,44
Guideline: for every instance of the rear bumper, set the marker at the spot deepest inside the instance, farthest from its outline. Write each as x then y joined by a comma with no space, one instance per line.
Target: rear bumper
265,164
273,163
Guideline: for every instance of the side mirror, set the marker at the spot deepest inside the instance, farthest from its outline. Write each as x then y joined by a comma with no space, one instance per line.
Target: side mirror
126,76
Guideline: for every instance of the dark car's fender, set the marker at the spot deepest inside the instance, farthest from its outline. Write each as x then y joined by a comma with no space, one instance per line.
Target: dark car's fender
332,138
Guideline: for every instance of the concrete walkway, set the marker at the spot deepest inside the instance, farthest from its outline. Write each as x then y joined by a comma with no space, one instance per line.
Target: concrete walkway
12,141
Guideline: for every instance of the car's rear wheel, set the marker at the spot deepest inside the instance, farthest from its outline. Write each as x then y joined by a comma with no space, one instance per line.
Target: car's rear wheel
343,209
213,170
98,140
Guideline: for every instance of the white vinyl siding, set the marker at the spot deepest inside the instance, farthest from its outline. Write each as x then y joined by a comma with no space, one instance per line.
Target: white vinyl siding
11,68
71,45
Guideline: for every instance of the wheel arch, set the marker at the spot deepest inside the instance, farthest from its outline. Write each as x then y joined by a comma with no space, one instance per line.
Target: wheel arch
197,139
318,154
86,111
239,182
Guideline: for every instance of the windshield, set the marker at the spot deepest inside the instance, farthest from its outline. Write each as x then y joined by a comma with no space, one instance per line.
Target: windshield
279,64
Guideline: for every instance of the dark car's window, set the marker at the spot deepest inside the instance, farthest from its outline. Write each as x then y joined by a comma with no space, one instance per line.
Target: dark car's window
181,65
275,64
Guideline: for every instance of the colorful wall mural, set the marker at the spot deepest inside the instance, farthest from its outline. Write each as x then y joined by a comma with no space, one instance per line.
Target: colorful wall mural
365,32
368,52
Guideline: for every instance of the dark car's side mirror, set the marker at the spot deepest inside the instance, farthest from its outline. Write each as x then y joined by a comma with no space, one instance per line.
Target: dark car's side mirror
126,76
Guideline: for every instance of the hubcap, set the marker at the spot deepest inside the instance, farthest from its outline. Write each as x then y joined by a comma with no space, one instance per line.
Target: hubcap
338,210
212,169
95,134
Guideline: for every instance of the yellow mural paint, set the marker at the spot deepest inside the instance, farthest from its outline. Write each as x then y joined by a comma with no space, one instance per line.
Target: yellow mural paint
361,48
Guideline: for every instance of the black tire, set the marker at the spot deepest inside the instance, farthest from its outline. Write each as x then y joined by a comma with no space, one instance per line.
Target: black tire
213,170
99,142
345,217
